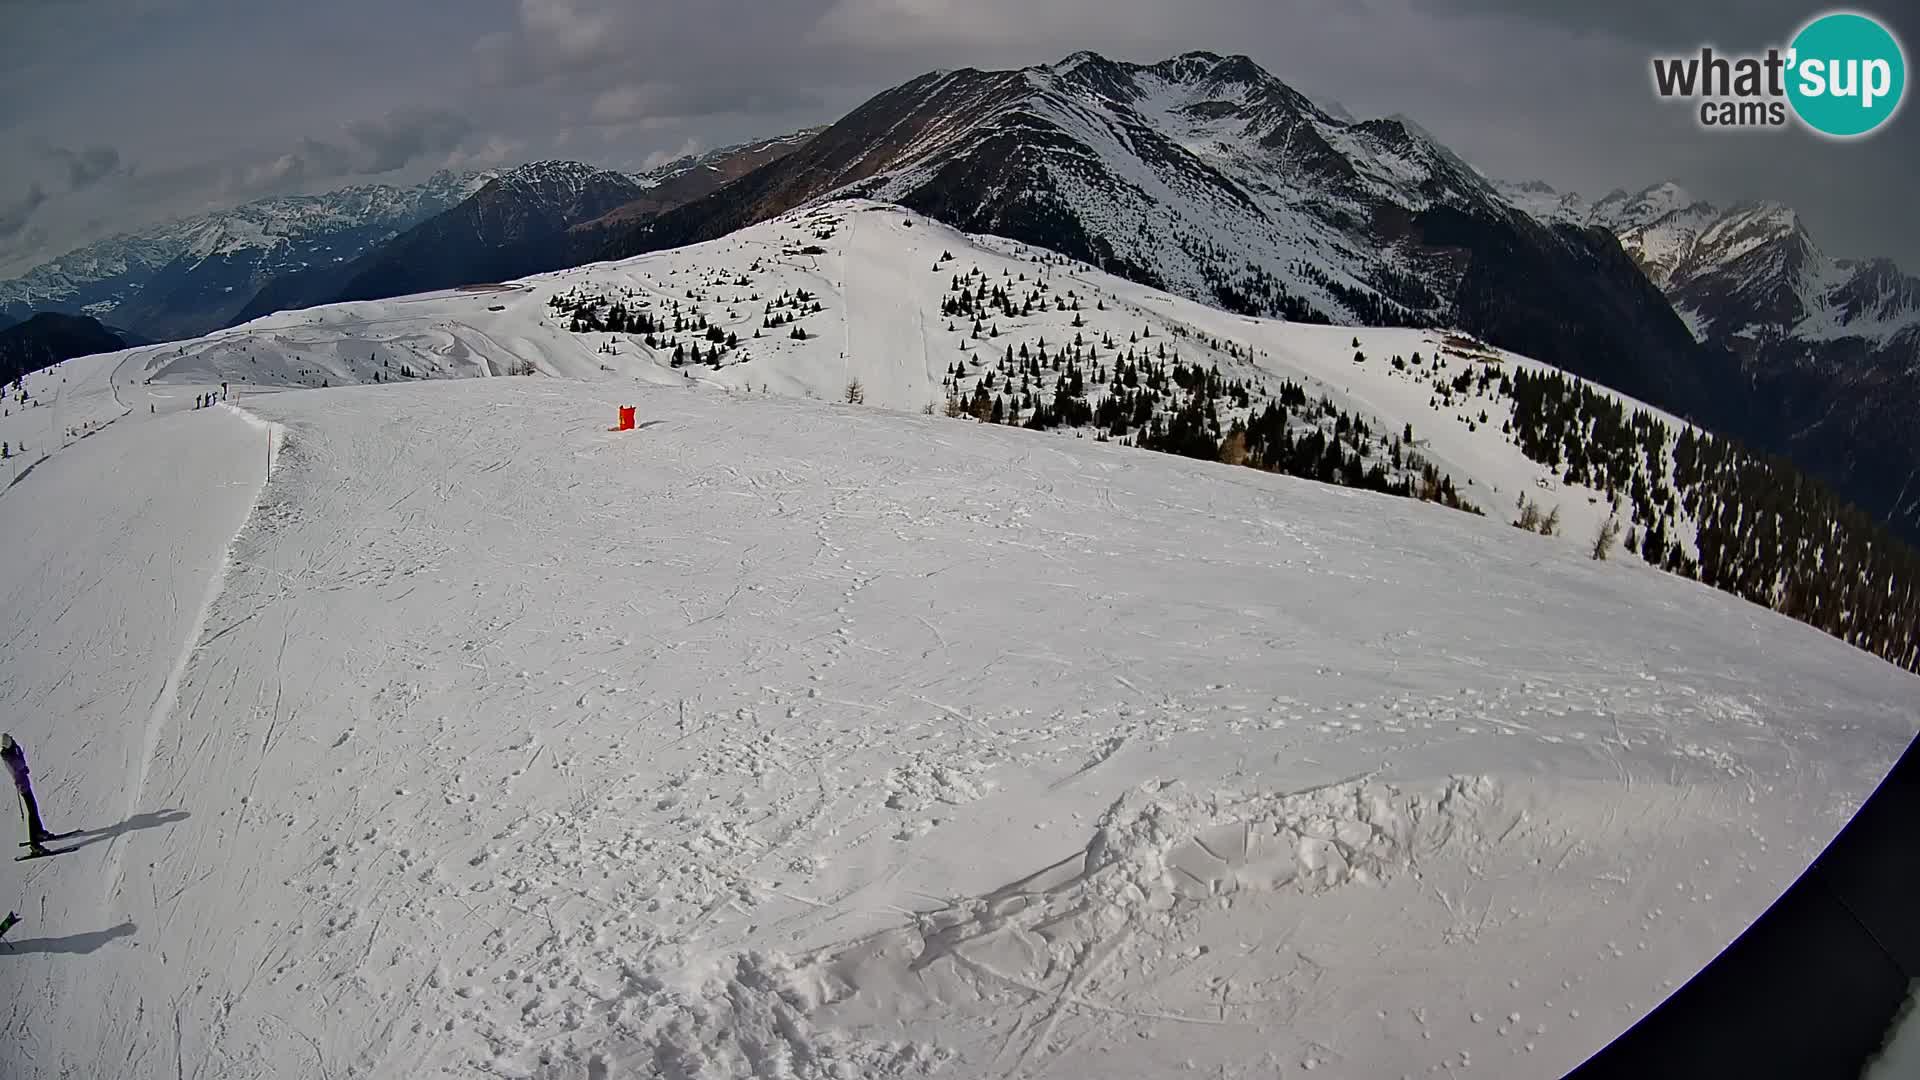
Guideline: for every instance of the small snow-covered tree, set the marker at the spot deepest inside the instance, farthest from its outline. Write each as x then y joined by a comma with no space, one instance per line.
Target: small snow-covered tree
1529,518
1604,537
1550,525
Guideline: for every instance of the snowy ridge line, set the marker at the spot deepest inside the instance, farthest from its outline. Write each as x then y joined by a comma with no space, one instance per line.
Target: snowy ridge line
169,695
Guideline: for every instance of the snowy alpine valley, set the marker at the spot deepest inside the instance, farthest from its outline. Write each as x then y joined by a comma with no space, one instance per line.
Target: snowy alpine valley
969,664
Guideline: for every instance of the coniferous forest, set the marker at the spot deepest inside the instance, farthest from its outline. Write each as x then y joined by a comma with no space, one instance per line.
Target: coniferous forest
1762,529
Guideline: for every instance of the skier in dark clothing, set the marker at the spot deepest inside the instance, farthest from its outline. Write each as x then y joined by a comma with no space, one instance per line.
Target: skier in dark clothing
16,762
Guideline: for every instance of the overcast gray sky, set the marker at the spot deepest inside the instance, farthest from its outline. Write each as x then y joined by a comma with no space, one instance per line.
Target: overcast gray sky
117,113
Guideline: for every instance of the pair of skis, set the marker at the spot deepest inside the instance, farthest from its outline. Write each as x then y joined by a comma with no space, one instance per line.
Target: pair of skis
44,852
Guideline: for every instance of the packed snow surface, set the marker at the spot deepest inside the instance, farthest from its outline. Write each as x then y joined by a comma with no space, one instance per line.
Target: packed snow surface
433,729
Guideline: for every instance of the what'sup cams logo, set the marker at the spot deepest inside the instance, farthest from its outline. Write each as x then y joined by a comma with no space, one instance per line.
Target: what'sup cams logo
1842,76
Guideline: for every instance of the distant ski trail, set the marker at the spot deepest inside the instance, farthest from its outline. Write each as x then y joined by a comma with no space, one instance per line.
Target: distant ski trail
875,266
164,702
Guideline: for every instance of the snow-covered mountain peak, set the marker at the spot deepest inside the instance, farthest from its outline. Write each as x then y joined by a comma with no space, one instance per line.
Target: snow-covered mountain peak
1067,65
1767,216
713,159
1619,210
1760,237
1545,203
1663,197
1240,119
1200,81
1212,70
551,173
572,190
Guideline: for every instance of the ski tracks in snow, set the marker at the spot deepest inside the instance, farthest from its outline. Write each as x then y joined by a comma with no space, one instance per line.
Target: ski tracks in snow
871,745
874,267
194,638
178,488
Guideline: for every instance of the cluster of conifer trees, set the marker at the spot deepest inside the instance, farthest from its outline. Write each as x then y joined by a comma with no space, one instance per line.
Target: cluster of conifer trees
1764,530
1142,393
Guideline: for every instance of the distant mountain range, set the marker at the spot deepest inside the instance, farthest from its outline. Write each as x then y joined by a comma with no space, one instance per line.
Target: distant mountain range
542,216
514,224
186,277
1828,349
193,275
1748,275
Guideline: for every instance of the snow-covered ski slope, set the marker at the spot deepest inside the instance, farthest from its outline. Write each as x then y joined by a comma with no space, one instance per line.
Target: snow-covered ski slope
789,738
878,274
783,738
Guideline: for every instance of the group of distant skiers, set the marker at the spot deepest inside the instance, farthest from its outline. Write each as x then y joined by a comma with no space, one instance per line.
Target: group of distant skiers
210,398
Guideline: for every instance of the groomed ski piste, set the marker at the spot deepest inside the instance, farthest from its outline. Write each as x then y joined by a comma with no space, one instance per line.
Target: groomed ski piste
434,729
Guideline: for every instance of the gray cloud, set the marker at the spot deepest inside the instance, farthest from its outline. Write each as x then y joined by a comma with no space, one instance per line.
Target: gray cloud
14,215
85,168
658,103
576,41
405,135
367,148
675,60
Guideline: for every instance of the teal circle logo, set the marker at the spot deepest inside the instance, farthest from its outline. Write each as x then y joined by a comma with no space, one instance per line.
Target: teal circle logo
1847,74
